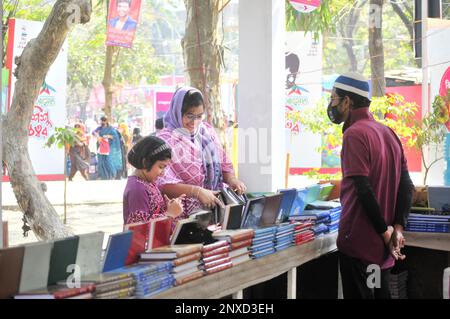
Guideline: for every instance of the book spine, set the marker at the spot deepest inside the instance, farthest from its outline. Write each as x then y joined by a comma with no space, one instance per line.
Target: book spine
117,294
189,278
186,259
219,268
188,251
220,250
118,286
241,237
217,262
240,244
215,257
213,246
70,292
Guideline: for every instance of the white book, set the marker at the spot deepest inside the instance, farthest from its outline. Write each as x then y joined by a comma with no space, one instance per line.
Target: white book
89,253
36,266
183,267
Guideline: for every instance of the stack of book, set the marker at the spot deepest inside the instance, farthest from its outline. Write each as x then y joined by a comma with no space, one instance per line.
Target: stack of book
303,233
110,285
240,241
215,257
263,242
317,217
333,223
151,279
284,236
184,259
59,292
398,285
239,250
428,223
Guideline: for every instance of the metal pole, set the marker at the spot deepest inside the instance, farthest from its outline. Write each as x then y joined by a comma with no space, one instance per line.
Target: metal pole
425,97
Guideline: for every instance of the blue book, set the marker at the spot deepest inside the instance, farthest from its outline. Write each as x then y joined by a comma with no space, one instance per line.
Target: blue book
117,250
319,229
142,271
312,194
265,231
149,286
261,247
156,292
299,202
284,227
262,241
283,246
287,240
286,203
263,253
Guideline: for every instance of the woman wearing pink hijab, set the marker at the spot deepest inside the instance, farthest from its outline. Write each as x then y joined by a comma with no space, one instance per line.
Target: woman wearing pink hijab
199,165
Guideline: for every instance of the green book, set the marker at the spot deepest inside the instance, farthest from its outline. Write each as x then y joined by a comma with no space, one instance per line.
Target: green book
64,253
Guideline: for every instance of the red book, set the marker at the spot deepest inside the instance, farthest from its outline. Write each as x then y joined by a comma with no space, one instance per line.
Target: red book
217,251
190,277
217,244
160,229
219,268
240,244
217,262
138,241
215,257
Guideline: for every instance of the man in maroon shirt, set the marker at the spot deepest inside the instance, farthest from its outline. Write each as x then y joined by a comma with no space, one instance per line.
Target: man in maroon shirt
376,192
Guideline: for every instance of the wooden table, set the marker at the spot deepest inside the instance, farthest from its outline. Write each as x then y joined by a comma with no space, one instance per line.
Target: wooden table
438,241
232,281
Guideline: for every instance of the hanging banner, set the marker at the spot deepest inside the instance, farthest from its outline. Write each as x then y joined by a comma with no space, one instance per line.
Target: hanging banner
439,57
303,86
305,6
123,18
50,106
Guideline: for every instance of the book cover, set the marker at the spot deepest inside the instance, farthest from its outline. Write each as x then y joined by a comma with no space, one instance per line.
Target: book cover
325,191
117,250
139,241
64,253
261,247
286,203
253,213
160,230
191,264
186,232
11,260
233,216
36,266
263,253
299,202
115,285
180,261
117,294
439,198
173,251
271,210
89,253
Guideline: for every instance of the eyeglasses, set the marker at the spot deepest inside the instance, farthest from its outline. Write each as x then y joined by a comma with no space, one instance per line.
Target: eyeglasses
192,117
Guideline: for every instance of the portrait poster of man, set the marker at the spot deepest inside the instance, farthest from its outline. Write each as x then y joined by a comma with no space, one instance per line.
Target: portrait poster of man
123,18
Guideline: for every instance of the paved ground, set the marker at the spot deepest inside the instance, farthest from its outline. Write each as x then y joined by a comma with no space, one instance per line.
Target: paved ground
92,206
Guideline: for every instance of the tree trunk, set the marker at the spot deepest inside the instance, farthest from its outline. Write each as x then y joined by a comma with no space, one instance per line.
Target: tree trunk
108,80
376,47
32,66
203,57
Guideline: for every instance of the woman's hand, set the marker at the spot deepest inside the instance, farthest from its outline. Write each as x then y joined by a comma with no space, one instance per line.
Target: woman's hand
236,185
174,206
208,198
396,244
387,235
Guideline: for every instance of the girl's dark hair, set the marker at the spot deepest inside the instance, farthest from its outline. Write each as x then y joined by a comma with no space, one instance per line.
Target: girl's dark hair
191,99
140,156
358,100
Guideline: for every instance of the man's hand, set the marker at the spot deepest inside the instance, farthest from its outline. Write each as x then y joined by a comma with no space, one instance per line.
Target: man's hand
397,243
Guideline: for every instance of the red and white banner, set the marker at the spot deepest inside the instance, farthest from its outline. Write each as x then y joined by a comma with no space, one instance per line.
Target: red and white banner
123,18
50,106
305,6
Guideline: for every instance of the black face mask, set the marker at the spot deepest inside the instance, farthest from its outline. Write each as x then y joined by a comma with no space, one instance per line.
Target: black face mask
334,115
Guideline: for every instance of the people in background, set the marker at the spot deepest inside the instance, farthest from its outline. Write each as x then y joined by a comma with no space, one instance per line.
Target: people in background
126,146
79,153
376,191
136,135
199,164
109,150
142,199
